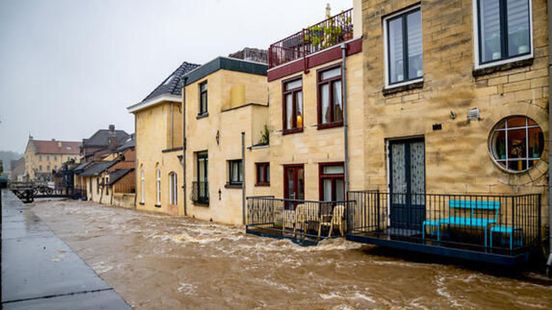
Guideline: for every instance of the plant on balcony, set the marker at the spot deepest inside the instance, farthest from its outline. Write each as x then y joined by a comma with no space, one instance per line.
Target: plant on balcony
265,136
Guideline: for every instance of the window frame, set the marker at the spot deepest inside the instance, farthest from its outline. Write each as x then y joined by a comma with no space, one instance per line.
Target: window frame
173,188
498,162
329,82
293,93
202,155
158,187
332,177
477,39
386,49
201,112
265,166
231,167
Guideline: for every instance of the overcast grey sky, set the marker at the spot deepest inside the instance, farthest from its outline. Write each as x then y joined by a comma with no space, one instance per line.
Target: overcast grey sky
69,67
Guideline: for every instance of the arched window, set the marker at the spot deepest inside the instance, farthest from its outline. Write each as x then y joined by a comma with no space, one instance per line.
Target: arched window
142,187
158,187
173,188
516,143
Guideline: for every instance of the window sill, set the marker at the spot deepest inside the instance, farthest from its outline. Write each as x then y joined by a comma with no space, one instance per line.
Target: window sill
390,90
233,185
141,203
202,115
292,131
157,206
330,125
262,184
201,204
503,67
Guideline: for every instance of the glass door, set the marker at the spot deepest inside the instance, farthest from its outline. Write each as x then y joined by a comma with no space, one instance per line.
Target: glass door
294,184
407,183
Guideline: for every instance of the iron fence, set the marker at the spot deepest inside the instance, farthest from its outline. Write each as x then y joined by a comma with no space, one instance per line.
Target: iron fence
505,224
330,32
296,218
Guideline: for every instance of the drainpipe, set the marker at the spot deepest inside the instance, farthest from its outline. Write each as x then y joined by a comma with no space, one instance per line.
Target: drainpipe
185,202
549,262
244,176
345,118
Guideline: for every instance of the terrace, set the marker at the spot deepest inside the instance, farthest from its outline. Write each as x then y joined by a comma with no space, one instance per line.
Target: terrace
328,33
498,229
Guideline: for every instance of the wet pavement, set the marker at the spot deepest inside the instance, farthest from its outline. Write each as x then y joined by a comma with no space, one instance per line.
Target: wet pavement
161,262
39,271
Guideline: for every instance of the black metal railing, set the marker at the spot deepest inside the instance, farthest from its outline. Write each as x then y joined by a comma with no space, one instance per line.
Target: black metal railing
296,218
332,31
200,192
505,224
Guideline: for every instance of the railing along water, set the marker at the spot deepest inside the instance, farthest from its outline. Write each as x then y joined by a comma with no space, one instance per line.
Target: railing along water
504,224
330,32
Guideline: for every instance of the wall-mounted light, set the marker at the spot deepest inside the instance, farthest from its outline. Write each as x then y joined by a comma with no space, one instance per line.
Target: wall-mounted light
220,194
217,137
474,114
452,115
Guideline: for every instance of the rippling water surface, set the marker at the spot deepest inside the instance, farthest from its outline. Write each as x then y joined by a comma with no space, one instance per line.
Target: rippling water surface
162,262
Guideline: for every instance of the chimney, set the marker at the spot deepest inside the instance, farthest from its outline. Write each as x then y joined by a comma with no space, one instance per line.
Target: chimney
59,144
112,128
113,143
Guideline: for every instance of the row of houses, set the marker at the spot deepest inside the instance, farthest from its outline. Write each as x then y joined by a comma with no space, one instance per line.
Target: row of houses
434,115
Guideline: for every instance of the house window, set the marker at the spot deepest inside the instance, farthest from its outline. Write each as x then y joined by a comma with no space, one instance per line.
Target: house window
106,182
55,158
330,100
235,172
158,187
200,192
516,143
293,106
262,174
173,188
142,188
332,182
403,32
503,30
203,98
40,168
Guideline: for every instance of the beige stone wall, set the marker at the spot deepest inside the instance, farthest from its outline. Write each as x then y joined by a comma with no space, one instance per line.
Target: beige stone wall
314,146
457,157
124,200
153,135
234,106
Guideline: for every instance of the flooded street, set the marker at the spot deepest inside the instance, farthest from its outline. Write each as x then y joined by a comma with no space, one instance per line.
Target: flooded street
162,262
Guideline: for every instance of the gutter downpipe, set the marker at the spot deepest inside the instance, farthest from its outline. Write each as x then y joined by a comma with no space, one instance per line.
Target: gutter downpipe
244,175
345,119
185,202
549,262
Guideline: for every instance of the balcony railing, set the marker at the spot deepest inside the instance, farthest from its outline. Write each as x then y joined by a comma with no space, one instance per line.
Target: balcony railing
200,192
296,219
332,31
499,224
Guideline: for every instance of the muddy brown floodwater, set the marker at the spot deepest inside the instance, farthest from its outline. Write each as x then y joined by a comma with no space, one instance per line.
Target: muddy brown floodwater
162,262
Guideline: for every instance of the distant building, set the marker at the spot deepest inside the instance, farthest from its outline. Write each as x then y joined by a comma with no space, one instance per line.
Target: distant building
18,170
43,156
103,142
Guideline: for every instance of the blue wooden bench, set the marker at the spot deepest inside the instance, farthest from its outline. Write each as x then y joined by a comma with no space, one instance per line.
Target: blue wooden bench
466,221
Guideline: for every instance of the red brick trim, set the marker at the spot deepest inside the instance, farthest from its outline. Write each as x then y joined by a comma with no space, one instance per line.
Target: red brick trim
314,60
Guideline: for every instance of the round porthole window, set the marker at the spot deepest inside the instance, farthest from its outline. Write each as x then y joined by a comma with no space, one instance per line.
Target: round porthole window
516,143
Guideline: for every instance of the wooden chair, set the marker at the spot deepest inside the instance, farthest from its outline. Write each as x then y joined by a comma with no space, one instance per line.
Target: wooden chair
336,219
300,217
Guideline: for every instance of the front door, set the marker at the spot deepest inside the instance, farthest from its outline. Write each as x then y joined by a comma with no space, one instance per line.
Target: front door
294,183
407,183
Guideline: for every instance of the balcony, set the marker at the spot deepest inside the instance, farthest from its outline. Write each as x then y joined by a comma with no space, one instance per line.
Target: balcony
498,229
200,193
328,33
303,221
